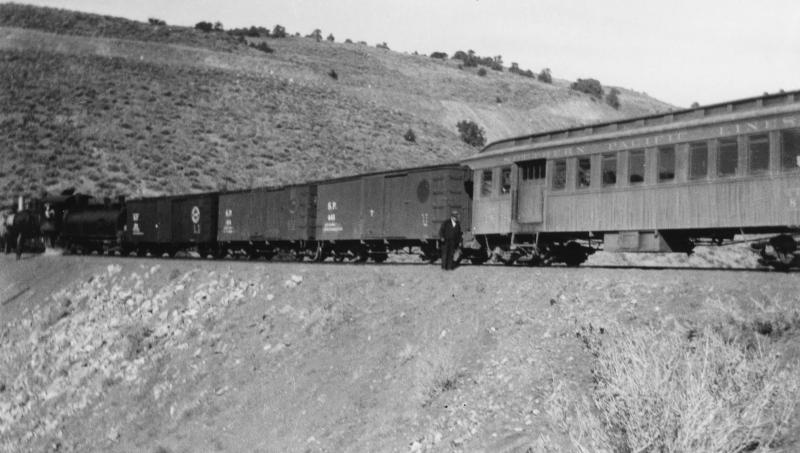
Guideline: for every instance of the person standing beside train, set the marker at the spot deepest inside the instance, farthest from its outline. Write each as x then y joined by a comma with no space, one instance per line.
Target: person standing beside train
450,235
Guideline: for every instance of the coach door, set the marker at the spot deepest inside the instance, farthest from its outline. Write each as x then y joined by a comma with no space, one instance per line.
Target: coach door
372,209
530,192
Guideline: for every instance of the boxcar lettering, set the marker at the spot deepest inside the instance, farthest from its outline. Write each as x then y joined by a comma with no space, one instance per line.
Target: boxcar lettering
424,219
790,121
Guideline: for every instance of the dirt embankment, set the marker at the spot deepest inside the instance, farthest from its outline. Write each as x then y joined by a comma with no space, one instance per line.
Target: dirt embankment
111,354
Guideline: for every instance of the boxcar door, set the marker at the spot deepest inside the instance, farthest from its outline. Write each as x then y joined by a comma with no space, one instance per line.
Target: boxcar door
530,192
372,209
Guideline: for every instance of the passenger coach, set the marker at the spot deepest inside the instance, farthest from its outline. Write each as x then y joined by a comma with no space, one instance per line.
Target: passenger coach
656,183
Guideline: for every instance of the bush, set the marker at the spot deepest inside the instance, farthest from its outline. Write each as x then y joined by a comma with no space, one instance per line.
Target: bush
348,41
262,46
383,46
333,74
439,55
591,87
612,98
658,390
204,26
471,133
330,38
482,72
545,76
410,136
316,35
516,70
154,21
279,32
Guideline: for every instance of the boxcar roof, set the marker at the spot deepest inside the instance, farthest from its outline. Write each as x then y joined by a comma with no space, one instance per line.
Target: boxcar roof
673,119
320,181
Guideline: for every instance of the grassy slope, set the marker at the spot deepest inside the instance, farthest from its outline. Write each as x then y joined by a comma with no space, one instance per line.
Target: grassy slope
142,355
118,107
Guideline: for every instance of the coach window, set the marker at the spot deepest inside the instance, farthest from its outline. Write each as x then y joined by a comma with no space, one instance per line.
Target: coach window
559,174
698,160
758,153
584,178
636,166
608,167
790,149
666,163
505,181
486,183
727,156
534,170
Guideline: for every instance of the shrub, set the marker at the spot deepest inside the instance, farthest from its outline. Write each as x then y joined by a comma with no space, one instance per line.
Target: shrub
204,26
482,72
348,41
333,74
545,76
218,26
279,32
262,46
695,104
383,46
316,35
591,87
471,133
612,98
154,21
331,38
659,390
410,136
439,55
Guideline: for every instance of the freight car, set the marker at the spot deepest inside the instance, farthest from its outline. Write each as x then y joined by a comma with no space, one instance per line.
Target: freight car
368,216
268,221
659,183
167,225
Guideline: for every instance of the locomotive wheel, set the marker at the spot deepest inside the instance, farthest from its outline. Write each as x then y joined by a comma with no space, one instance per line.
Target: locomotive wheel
574,254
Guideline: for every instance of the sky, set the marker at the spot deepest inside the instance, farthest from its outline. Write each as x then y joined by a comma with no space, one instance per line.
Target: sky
678,51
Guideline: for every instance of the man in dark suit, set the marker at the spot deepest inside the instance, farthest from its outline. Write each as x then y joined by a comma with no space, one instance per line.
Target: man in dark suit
450,235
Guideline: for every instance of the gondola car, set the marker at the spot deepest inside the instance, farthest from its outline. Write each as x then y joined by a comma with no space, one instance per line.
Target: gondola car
367,216
652,184
172,224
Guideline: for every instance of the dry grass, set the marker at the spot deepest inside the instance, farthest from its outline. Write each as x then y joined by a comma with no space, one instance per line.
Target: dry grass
662,390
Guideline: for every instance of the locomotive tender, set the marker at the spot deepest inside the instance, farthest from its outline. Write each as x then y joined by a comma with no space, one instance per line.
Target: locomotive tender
659,183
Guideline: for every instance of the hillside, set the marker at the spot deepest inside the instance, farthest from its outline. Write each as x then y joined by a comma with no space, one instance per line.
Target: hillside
109,354
112,106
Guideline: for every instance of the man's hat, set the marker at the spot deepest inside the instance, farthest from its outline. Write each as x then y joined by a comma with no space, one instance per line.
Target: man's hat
453,212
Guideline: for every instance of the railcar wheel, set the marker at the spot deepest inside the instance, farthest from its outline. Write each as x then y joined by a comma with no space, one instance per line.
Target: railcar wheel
574,254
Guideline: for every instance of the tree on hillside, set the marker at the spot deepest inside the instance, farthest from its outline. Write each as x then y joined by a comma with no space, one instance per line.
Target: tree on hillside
331,38
382,45
591,87
439,55
279,31
471,133
316,35
218,26
545,76
155,21
204,26
612,98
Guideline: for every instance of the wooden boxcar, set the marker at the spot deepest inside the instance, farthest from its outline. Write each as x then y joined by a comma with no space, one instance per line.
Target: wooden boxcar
657,183
368,215
171,224
266,221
